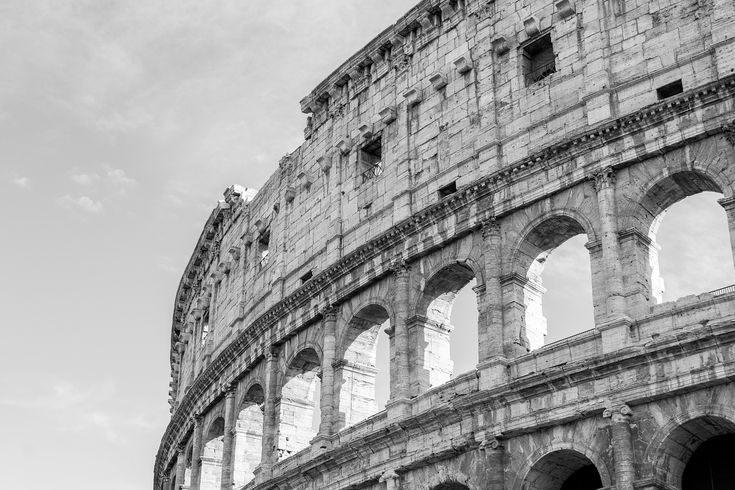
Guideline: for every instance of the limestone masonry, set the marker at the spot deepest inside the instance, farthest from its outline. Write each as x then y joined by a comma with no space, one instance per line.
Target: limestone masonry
465,143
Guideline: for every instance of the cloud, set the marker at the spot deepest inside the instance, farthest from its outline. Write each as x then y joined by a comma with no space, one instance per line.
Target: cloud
118,177
82,203
86,180
22,182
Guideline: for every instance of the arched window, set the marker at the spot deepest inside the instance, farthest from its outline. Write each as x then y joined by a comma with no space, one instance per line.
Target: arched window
698,454
688,249
564,469
248,436
356,376
524,290
429,330
211,472
299,413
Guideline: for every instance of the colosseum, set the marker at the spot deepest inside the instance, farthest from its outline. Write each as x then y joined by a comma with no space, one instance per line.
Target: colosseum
461,146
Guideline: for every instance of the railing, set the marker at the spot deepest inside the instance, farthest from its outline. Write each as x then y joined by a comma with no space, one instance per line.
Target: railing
540,73
723,291
372,172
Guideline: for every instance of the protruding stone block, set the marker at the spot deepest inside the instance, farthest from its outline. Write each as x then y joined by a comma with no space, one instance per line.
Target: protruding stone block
387,115
366,131
565,8
531,26
344,145
500,45
413,96
438,81
463,64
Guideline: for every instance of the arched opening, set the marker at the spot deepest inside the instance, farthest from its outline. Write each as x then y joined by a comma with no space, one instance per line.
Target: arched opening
211,472
688,242
698,454
298,405
430,331
558,241
356,377
565,469
451,486
248,436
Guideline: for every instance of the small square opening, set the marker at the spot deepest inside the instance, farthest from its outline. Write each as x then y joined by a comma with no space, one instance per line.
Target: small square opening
538,59
448,190
669,90
371,156
305,278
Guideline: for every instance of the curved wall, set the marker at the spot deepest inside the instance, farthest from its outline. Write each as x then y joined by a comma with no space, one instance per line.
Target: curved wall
486,162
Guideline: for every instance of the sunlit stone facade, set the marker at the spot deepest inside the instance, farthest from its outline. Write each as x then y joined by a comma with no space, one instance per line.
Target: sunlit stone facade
465,143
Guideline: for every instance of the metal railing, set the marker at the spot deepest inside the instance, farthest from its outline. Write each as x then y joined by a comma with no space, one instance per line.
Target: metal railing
372,172
541,72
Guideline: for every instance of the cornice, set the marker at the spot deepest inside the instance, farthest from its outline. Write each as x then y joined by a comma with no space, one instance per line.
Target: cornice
582,143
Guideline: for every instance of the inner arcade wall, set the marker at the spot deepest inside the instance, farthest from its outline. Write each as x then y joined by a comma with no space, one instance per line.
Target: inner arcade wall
453,148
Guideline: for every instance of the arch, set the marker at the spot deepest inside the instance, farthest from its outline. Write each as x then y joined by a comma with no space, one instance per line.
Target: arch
212,452
523,289
565,469
297,406
450,485
248,441
354,376
675,443
430,327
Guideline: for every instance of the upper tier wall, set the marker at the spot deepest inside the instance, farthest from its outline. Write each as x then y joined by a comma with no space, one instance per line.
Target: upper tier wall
442,98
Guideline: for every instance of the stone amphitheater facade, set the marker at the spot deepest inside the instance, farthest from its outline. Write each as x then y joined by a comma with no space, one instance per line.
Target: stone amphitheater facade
464,143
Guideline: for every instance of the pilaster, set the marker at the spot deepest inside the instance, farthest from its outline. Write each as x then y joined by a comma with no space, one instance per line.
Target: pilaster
622,442
228,442
196,457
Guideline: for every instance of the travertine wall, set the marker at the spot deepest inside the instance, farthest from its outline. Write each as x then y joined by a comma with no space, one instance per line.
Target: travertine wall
482,172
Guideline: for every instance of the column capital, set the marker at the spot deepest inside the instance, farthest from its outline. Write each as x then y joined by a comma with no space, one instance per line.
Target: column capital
622,413
330,313
401,269
181,447
603,179
389,475
272,352
490,227
198,418
230,390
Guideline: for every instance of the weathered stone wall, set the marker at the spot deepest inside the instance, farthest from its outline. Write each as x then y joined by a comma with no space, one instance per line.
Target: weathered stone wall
489,158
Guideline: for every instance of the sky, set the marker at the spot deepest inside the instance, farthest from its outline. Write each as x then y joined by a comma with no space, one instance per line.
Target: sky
121,124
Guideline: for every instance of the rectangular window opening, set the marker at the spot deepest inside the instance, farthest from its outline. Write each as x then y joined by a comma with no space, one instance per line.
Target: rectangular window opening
538,60
264,247
669,90
305,278
448,190
371,160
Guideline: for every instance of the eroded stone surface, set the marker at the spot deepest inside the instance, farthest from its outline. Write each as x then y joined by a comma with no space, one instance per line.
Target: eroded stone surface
457,147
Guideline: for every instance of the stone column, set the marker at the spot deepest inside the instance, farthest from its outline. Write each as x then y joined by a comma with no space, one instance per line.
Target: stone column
180,466
604,182
328,403
401,378
269,454
495,467
227,446
729,205
615,329
196,454
491,337
622,442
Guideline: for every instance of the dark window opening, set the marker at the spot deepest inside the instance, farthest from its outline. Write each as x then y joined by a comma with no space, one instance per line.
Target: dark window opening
305,278
205,327
264,247
711,465
448,190
669,90
371,156
585,478
538,60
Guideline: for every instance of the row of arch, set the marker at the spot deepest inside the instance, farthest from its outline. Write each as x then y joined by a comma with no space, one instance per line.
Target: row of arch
691,454
512,318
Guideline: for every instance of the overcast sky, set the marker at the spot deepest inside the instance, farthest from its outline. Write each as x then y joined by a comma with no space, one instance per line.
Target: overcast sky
121,123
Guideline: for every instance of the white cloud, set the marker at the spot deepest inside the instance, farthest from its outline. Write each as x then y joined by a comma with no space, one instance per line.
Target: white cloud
83,203
118,177
84,179
22,182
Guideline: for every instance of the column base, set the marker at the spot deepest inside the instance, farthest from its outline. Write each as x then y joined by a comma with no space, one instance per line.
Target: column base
493,373
615,333
398,409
